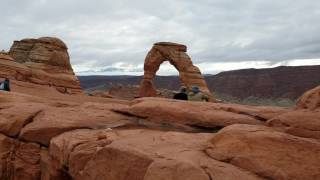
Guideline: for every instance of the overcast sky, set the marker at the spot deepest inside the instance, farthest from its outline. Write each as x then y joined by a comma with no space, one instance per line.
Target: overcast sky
114,36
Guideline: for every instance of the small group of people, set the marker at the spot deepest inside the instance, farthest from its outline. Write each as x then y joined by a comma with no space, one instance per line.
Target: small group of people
194,95
5,85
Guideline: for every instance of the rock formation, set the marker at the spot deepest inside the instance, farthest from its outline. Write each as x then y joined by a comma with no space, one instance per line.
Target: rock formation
310,99
189,74
62,137
43,61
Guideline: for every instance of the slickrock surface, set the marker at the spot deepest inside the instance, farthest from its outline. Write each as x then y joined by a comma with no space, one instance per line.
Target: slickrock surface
43,61
137,154
84,137
198,114
267,152
303,123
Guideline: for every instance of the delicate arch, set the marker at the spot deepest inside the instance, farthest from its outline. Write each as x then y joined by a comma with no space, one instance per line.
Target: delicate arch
189,74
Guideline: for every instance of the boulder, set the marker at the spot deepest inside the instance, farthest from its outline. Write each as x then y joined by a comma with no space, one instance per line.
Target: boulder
310,99
138,154
267,152
303,123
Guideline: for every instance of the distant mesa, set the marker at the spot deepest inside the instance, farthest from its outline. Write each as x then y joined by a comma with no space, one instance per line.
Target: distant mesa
43,61
189,74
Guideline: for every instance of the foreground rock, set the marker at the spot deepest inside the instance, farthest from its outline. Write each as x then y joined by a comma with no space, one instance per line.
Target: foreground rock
55,120
266,152
136,155
19,160
43,61
303,123
147,139
197,114
14,116
310,99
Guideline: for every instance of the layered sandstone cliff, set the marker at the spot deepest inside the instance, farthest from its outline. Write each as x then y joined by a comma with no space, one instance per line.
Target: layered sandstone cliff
43,61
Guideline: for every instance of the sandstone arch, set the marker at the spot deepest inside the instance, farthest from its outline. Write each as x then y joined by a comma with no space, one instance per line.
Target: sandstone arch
189,74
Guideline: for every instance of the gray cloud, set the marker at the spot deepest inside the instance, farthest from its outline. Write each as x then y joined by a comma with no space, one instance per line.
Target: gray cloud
101,33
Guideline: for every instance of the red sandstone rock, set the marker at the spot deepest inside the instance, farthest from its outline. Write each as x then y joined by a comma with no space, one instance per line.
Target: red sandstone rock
5,56
13,117
310,99
138,154
198,114
19,160
189,74
53,121
303,123
43,61
266,152
58,136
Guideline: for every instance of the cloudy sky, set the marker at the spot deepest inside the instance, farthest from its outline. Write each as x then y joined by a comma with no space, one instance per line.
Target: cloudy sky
114,36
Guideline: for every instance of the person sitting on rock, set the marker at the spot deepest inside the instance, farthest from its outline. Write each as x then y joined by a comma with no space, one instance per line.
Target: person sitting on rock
5,85
182,95
197,95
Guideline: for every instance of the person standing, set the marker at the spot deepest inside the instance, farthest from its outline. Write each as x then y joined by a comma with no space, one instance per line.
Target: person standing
5,85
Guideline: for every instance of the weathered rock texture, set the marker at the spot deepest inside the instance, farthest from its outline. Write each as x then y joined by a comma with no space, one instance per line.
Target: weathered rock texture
310,99
189,74
43,61
189,115
137,155
153,139
267,152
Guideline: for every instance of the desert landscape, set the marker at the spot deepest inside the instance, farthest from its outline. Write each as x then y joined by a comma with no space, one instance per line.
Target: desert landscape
51,130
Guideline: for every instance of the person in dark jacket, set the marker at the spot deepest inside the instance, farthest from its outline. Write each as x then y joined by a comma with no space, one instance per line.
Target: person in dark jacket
182,95
5,85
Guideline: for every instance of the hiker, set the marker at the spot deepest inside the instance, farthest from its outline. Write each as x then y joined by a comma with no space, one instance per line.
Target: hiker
182,95
197,95
5,85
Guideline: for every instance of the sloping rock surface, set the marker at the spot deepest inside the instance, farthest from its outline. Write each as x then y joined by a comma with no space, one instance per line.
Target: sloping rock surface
266,152
310,99
152,139
198,114
138,154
